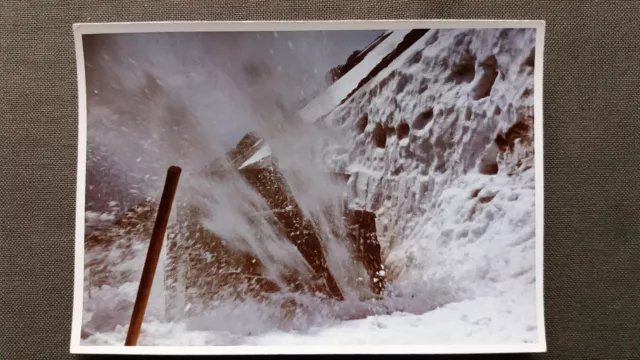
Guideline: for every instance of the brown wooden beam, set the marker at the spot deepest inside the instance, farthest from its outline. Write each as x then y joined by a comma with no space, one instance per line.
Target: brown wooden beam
153,255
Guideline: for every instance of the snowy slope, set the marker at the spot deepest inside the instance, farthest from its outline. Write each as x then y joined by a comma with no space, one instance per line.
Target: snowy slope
458,239
419,133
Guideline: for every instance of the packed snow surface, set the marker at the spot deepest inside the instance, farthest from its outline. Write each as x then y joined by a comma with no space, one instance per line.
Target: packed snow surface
459,244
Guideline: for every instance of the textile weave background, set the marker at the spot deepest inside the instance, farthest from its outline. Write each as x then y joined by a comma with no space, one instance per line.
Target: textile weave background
591,139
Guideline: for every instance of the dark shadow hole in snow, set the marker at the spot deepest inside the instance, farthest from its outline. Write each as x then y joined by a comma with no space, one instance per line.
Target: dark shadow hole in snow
422,119
402,130
529,61
485,199
489,168
488,164
464,69
506,141
379,136
362,122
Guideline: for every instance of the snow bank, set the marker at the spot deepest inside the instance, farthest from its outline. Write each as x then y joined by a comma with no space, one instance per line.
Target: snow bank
481,320
420,134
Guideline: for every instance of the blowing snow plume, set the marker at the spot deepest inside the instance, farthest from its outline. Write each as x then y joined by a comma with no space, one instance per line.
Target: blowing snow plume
149,111
154,99
399,199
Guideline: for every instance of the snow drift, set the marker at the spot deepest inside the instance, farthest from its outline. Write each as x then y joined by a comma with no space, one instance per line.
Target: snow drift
428,154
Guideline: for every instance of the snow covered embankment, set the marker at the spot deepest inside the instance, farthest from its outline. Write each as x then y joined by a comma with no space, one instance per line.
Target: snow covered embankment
455,202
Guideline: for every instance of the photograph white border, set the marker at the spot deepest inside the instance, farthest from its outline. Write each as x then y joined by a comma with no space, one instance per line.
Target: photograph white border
227,26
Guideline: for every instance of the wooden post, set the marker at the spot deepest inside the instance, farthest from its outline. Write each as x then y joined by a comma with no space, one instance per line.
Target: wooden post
153,255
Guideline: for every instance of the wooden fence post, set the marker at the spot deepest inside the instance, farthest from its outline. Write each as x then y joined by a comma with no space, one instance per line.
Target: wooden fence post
153,254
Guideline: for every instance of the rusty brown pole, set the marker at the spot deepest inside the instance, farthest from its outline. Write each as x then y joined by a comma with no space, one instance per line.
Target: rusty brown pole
153,255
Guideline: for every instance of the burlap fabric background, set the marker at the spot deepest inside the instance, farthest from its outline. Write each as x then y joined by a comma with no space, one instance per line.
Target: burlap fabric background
591,136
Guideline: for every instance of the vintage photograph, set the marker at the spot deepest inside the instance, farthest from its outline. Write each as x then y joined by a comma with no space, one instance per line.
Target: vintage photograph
351,187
